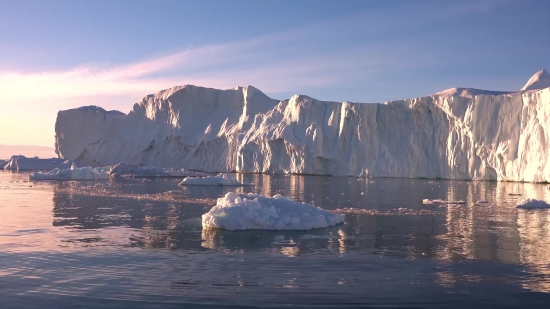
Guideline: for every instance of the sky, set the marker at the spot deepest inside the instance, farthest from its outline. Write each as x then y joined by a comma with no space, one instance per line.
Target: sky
58,55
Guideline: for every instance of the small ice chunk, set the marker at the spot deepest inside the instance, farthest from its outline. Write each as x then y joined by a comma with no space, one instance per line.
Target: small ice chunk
256,212
531,203
218,180
173,192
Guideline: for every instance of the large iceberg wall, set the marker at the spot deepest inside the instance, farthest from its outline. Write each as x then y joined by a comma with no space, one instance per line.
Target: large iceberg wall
455,134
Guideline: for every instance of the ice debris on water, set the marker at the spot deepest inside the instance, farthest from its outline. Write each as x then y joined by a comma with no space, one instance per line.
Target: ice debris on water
129,170
218,180
73,173
441,202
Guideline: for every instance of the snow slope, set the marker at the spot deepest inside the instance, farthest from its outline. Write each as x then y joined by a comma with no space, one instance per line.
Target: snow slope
460,133
255,212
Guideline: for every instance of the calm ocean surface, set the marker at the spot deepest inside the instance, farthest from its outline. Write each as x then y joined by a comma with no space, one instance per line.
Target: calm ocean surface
129,244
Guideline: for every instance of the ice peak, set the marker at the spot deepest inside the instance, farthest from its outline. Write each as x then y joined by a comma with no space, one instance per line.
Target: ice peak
251,89
540,80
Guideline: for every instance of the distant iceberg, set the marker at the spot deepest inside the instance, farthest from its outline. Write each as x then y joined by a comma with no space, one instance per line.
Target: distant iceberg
73,173
24,163
255,212
459,133
218,180
128,170
530,203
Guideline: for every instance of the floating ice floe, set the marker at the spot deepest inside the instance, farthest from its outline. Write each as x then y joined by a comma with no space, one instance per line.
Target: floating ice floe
218,180
531,203
35,163
441,202
255,212
73,173
128,170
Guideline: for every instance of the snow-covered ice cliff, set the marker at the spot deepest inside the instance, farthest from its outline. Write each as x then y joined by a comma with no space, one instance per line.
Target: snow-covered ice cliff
459,133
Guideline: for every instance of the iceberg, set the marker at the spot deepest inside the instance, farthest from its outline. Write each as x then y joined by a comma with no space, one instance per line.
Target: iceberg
24,163
459,133
218,180
80,126
530,203
255,212
73,173
128,170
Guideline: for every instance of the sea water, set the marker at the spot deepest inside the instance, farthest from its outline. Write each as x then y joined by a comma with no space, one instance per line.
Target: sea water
139,243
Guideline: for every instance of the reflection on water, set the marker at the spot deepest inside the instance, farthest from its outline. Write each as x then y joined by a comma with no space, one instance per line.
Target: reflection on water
493,247
534,248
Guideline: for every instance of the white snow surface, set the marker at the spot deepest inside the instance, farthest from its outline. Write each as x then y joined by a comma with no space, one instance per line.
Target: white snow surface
530,203
73,173
218,180
461,133
255,212
128,170
24,163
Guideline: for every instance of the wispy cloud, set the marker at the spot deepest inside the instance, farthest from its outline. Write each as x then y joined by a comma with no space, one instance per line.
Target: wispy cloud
275,62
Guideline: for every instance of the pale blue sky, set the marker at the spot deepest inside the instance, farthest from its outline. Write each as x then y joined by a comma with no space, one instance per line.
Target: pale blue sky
62,54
